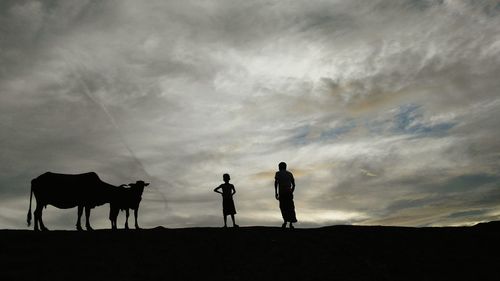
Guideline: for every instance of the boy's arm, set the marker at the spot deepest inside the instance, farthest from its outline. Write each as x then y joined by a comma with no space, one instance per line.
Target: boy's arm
233,190
293,182
217,189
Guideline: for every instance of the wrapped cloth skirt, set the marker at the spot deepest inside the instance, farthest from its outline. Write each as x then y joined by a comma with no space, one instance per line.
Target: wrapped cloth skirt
228,206
287,207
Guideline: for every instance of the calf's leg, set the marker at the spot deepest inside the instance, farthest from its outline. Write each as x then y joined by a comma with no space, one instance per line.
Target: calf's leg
136,210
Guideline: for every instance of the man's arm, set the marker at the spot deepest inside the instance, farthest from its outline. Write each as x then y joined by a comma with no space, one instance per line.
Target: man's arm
276,189
233,190
293,182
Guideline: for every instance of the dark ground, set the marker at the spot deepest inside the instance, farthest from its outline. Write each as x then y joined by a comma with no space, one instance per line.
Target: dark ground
254,253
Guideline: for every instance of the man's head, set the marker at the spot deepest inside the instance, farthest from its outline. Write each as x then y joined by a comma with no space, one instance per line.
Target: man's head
282,166
226,178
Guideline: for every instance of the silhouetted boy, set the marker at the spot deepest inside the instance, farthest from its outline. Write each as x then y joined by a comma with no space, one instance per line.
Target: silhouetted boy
286,183
227,199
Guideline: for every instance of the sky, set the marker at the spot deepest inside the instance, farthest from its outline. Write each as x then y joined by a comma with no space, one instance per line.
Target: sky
386,112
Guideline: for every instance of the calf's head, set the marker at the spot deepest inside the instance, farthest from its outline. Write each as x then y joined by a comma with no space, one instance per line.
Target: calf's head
139,185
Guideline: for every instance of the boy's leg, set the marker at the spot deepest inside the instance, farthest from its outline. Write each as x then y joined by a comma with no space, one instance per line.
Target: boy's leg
283,225
234,223
291,225
225,220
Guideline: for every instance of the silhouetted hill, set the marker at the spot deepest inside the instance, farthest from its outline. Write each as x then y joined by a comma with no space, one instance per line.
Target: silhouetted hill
253,253
492,225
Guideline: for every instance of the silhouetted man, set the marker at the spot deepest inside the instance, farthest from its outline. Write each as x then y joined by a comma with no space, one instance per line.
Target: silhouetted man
286,183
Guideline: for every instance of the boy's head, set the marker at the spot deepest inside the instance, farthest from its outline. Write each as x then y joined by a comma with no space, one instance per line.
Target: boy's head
282,166
226,177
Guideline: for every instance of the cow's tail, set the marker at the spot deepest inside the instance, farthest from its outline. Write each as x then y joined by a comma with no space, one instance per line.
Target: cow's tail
29,211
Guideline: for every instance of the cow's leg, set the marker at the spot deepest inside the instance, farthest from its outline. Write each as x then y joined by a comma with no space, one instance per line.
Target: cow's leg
87,218
37,214
126,218
135,216
38,217
42,226
112,216
79,219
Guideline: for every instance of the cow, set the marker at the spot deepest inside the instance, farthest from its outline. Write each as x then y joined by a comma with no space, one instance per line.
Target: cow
68,191
127,198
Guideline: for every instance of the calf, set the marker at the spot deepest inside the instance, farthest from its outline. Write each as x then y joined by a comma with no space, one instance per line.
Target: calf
127,198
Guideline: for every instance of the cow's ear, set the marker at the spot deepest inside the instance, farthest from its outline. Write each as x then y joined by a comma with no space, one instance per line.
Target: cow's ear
146,184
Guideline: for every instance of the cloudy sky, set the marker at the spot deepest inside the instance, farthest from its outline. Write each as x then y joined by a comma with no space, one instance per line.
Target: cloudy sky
387,112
